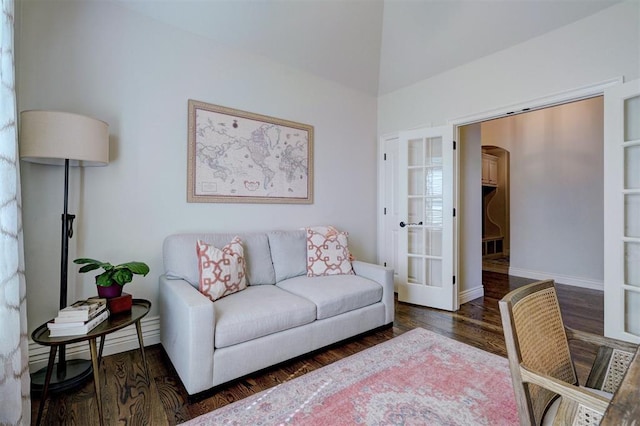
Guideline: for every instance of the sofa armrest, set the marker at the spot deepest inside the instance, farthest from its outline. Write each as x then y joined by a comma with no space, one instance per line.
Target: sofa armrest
384,277
187,327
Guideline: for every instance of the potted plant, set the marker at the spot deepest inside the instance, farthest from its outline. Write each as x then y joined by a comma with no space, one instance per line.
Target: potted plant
111,281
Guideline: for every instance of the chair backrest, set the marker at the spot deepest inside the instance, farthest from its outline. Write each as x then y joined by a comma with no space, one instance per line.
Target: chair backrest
536,339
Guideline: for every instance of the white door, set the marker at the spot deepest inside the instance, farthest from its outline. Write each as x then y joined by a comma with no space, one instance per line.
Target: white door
391,205
622,211
426,237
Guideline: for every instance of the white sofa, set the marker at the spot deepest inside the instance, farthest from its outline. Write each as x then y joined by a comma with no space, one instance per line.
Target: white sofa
282,314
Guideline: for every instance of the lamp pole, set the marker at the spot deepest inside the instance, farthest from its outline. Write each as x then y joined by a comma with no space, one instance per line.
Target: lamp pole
66,234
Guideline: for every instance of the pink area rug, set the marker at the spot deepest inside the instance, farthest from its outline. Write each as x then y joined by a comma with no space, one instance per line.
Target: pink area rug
417,378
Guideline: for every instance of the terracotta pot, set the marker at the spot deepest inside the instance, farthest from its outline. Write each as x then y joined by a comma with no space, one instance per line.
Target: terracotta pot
109,292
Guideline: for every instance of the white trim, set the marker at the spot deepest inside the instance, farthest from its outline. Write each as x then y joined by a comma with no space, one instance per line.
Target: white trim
572,95
120,341
559,278
470,294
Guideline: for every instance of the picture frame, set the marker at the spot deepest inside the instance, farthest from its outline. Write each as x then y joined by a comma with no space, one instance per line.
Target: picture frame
237,156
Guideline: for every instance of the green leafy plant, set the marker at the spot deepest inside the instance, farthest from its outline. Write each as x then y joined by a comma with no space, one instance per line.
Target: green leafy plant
113,274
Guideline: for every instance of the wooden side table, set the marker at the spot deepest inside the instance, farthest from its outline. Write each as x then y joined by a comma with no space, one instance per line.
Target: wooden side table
40,335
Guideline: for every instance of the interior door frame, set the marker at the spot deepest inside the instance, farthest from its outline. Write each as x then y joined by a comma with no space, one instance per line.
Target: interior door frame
579,93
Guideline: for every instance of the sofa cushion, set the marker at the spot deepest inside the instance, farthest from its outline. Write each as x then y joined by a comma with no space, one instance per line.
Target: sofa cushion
259,311
327,252
335,294
222,270
288,253
181,259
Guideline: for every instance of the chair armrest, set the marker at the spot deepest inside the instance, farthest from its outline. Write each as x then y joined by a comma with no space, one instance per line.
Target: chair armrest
187,327
384,277
581,396
595,339
603,368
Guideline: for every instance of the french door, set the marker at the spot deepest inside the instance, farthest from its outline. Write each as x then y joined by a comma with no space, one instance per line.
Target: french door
622,211
426,235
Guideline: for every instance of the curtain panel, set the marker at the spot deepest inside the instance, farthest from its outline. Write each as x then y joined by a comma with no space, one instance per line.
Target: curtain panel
15,403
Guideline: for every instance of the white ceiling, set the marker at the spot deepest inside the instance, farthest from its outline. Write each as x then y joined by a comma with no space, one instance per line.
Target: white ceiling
371,45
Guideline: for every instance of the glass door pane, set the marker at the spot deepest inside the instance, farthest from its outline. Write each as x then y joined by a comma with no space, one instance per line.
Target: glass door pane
632,167
631,122
632,264
632,317
632,215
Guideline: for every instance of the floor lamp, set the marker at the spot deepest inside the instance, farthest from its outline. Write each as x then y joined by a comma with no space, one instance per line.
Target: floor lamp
61,138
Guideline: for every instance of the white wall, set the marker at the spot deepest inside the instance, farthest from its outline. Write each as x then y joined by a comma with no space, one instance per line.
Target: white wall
598,48
556,190
103,60
470,216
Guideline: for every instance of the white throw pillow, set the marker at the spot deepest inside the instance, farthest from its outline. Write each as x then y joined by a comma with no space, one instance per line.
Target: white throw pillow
327,252
222,271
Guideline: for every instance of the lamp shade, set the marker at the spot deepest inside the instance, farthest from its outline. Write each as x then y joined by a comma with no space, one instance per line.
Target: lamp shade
50,137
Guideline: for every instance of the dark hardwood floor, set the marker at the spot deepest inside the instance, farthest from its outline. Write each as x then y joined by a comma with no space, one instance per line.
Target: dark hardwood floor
130,399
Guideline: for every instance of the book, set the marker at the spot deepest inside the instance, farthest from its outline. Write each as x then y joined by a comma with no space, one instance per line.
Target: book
82,309
77,320
66,322
78,330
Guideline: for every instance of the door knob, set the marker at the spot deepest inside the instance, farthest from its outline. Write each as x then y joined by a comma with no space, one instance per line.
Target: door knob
402,224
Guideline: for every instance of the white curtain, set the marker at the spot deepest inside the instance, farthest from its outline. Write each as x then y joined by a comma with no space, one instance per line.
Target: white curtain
15,401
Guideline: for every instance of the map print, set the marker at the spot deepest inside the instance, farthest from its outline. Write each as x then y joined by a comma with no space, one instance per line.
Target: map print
237,156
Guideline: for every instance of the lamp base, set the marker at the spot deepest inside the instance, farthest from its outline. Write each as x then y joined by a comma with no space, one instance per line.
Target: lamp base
78,371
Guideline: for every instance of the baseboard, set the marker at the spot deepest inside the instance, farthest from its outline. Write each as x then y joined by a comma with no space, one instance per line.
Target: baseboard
120,341
469,295
559,278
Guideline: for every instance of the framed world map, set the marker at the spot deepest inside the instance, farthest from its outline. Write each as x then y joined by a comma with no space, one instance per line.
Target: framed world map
240,157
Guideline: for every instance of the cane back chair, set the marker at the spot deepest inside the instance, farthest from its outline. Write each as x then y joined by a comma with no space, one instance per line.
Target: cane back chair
542,370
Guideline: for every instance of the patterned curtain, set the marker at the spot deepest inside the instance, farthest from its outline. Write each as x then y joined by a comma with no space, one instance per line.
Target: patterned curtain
15,401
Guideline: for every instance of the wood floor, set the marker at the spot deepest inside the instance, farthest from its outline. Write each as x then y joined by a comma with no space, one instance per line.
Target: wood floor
130,399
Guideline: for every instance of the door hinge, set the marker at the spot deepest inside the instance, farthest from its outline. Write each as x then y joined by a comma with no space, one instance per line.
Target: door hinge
385,210
454,145
454,212
454,280
385,156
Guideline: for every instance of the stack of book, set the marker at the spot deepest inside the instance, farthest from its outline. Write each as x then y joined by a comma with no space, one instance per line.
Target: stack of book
79,318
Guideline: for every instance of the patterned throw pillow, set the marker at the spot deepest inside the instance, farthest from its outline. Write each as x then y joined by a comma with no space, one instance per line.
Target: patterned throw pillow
222,271
327,252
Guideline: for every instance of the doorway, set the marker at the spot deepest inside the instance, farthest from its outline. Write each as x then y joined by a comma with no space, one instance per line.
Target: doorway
541,194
